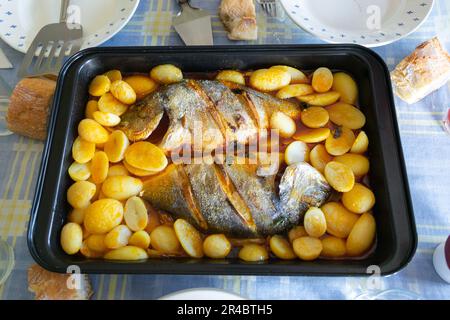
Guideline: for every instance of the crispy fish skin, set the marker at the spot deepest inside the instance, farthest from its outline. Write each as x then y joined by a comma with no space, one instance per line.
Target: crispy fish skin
224,113
232,199
301,187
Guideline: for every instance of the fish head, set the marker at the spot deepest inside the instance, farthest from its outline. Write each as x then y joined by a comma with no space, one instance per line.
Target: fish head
142,118
302,187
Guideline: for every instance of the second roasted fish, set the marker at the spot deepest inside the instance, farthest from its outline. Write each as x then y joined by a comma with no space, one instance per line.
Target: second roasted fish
211,109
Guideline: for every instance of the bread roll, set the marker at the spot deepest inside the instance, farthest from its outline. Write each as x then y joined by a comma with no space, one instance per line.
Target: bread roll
30,106
47,285
424,71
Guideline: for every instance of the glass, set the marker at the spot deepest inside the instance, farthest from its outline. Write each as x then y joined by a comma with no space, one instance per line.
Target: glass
6,261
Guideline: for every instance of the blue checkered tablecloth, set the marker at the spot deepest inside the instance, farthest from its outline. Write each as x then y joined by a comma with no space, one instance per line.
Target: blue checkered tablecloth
425,144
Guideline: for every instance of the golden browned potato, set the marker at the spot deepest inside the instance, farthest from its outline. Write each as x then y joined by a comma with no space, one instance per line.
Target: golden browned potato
106,119
123,92
344,114
314,117
296,151
232,76
142,85
339,176
91,131
76,215
99,167
79,171
96,242
135,214
140,239
99,86
281,248
127,253
121,187
322,80
319,157
117,170
295,90
71,238
358,163
315,223
80,194
107,103
118,237
91,107
284,124
116,146
362,235
361,143
190,239
346,86
339,141
253,253
340,221
359,199
165,240
297,232
296,75
320,99
166,74
333,247
103,215
269,79
216,246
312,135
113,75
146,156
89,253
307,248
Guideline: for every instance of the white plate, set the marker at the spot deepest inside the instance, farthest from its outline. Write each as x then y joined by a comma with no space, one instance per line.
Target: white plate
370,23
20,20
201,294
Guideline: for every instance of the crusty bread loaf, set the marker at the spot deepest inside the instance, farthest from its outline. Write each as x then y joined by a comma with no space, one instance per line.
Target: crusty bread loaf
47,285
30,106
422,72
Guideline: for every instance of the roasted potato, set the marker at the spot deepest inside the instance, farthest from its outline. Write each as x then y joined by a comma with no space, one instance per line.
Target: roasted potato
269,79
322,80
362,235
359,199
346,86
339,141
339,176
344,114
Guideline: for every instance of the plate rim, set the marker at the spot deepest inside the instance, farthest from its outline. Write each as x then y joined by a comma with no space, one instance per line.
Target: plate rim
173,294
369,45
102,40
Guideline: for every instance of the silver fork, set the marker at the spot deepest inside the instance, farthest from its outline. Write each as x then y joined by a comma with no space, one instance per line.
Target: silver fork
51,45
272,8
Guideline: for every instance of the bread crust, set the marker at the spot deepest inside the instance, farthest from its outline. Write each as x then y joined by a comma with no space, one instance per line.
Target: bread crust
29,107
422,72
48,285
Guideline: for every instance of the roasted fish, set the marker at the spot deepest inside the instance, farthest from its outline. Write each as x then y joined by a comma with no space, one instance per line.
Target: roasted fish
231,198
218,112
